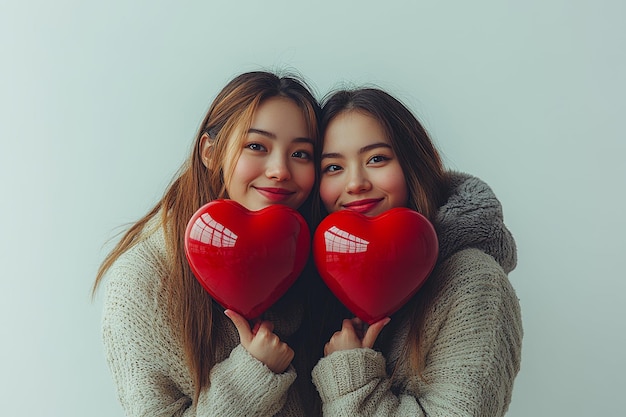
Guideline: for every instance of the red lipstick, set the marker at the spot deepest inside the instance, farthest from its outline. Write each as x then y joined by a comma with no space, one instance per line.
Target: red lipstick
274,193
363,206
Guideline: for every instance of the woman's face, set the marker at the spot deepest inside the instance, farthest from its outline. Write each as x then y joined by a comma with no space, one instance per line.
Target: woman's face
360,171
276,161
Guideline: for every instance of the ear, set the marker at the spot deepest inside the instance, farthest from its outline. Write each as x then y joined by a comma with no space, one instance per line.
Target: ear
206,150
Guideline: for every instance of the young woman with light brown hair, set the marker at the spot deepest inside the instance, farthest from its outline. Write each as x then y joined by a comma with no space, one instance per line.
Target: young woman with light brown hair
171,349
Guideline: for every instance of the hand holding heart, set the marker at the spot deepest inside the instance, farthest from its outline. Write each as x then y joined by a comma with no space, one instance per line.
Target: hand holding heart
262,343
355,334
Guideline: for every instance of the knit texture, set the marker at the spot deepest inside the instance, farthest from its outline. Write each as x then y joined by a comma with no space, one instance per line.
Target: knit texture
146,358
473,334
473,331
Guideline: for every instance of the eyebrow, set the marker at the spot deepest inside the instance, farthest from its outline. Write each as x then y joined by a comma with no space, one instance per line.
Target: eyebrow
362,150
273,136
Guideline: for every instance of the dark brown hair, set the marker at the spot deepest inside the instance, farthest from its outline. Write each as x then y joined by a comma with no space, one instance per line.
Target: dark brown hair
422,167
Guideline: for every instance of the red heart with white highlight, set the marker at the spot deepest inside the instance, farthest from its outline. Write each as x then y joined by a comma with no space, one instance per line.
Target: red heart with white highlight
374,265
246,260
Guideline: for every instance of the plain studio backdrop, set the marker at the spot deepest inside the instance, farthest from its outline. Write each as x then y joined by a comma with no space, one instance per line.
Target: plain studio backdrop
99,103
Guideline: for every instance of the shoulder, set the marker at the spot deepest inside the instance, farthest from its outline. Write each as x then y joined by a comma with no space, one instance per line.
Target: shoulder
471,262
138,273
148,254
473,277
473,299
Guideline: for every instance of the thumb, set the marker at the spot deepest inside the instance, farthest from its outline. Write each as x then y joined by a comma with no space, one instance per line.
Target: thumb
373,331
348,325
242,325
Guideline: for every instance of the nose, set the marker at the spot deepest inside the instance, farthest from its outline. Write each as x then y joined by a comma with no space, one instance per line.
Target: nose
277,169
357,183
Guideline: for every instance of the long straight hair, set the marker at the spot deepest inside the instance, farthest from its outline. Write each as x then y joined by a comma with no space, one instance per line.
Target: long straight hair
423,170
228,118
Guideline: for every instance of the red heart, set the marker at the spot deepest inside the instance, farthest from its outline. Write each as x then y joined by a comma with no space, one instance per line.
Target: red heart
246,259
374,265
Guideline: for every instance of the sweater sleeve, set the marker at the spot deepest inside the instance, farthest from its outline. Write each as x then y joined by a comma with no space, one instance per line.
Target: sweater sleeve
148,366
474,331
243,386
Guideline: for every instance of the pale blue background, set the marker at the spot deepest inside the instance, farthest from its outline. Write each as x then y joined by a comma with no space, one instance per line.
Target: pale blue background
99,102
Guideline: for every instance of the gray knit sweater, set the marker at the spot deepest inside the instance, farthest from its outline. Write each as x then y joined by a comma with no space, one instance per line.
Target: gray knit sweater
473,359
473,330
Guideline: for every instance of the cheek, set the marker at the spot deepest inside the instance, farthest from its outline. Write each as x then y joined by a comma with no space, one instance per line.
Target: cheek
329,192
244,169
394,184
399,190
306,177
238,174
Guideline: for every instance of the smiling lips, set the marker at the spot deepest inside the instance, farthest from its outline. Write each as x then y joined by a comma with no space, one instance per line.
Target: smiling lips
362,206
275,194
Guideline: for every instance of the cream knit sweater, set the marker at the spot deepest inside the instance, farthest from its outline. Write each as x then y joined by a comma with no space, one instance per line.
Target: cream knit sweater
473,334
473,360
146,359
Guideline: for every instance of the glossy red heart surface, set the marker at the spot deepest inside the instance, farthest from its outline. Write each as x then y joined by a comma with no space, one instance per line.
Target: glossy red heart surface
246,260
374,265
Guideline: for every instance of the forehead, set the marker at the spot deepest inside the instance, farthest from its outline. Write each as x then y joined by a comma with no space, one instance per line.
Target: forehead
279,111
354,129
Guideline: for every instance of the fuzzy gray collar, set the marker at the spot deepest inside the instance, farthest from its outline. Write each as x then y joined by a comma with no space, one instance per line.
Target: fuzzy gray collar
472,218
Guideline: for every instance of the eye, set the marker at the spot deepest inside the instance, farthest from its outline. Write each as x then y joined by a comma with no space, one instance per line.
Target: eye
377,159
256,147
302,155
332,168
